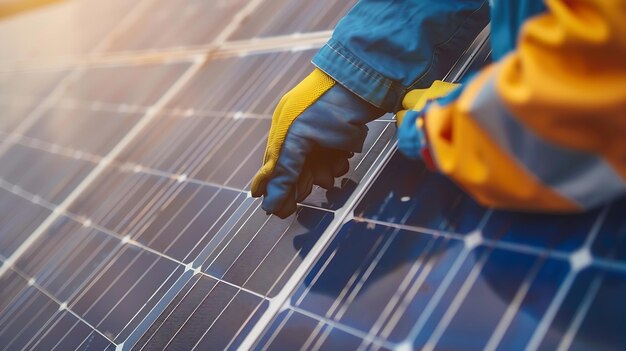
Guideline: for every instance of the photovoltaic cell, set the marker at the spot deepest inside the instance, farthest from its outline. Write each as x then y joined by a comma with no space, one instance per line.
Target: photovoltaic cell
261,251
55,150
591,312
190,218
12,285
292,17
57,153
67,256
66,332
170,23
206,314
35,312
19,218
50,176
117,299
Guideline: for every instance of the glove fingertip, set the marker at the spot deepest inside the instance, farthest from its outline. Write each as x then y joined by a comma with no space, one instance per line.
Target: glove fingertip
271,202
256,193
288,208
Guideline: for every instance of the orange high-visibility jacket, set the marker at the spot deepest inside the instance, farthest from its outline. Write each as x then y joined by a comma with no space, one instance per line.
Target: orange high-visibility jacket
544,127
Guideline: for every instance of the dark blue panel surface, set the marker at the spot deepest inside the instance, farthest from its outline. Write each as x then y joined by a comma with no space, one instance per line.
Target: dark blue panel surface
260,252
50,176
407,193
175,314
334,339
19,218
194,319
202,295
67,256
593,315
124,201
363,270
495,293
611,240
203,148
233,321
289,331
544,279
559,232
66,332
187,218
24,317
117,299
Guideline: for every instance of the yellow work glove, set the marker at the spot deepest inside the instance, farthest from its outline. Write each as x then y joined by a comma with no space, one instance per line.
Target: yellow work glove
315,129
417,99
412,141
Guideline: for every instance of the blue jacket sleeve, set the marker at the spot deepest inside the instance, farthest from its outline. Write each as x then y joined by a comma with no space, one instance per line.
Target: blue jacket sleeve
383,48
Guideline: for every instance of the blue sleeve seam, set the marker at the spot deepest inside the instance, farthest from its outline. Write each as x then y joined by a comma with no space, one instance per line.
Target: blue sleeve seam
366,70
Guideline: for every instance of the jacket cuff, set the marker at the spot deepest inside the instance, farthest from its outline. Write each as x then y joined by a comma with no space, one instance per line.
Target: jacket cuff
357,76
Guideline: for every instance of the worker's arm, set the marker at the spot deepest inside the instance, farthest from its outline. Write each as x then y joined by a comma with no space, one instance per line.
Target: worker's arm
378,51
382,49
544,128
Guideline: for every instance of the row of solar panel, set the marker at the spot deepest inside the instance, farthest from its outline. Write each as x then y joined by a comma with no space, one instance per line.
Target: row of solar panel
82,27
175,199
422,265
78,279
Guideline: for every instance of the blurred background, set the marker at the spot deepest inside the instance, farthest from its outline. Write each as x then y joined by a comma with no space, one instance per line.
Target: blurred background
129,133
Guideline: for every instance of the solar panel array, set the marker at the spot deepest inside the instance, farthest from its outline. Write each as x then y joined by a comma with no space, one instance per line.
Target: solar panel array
128,138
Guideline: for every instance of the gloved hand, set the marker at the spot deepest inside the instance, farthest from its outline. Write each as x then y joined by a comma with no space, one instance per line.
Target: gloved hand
411,135
315,129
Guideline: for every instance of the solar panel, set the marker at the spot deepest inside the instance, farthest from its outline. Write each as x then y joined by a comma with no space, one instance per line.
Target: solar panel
405,273
126,221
